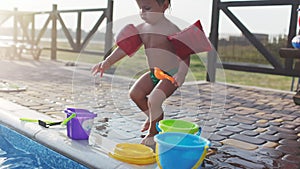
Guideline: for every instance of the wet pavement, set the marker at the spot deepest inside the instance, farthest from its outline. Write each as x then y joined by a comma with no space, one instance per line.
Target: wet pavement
249,127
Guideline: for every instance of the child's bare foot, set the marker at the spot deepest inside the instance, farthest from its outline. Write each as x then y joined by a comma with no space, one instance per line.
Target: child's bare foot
148,140
145,126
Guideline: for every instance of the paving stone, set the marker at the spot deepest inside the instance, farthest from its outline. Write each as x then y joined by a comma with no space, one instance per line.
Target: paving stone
191,113
219,126
41,107
292,158
227,114
45,110
250,133
249,155
138,116
225,133
277,120
289,117
239,144
171,114
262,121
31,104
271,132
270,144
288,142
274,124
288,165
268,137
242,162
241,112
248,139
243,120
288,149
125,113
289,126
260,130
277,115
214,116
178,117
246,126
120,135
190,119
247,109
206,134
262,115
216,144
216,137
270,152
229,122
209,129
297,120
232,129
262,125
281,130
287,136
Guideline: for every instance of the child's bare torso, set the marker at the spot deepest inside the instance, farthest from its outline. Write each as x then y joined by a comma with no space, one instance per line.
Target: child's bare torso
158,49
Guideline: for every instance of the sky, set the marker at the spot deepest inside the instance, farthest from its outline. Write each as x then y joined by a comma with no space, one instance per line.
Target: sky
271,20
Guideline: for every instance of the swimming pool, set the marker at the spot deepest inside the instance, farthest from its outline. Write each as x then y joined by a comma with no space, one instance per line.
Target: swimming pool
18,151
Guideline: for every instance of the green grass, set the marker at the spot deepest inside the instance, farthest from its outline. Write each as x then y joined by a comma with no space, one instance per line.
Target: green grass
258,79
136,65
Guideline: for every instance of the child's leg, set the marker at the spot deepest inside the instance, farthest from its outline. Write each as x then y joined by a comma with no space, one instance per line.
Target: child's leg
139,92
155,100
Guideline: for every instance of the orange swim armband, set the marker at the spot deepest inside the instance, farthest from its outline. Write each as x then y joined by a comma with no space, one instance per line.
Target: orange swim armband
160,74
129,39
189,41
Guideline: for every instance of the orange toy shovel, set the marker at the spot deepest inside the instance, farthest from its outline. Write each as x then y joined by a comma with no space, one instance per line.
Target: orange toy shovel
160,74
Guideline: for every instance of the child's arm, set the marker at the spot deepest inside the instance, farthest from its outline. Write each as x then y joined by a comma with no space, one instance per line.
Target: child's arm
114,57
182,71
128,41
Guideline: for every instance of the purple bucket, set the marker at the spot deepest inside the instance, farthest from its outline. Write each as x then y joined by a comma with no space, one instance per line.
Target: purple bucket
79,127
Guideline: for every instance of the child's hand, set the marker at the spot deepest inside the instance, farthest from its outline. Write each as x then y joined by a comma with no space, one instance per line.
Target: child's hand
179,79
100,68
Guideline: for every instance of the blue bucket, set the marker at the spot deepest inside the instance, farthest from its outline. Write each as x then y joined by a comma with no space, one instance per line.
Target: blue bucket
180,150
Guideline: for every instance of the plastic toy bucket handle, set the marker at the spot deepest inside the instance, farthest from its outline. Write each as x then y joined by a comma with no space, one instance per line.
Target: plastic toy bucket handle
156,156
157,127
199,162
199,131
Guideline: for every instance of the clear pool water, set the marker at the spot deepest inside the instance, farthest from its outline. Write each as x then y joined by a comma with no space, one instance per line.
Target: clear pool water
20,152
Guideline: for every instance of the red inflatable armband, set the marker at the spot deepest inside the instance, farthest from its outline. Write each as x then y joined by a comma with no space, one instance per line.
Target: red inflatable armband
189,41
129,40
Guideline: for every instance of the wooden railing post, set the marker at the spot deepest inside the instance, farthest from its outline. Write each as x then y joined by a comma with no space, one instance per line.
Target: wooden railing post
213,37
33,30
293,25
109,27
54,32
78,32
15,38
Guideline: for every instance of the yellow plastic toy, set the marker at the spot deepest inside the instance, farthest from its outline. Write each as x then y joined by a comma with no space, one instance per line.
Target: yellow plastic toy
133,153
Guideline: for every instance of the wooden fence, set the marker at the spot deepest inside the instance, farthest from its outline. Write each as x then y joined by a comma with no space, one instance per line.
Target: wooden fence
277,67
25,22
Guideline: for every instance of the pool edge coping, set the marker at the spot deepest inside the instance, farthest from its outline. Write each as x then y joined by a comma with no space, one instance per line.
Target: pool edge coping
53,138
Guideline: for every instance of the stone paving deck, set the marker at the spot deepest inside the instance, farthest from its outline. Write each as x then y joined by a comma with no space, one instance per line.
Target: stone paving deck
249,127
